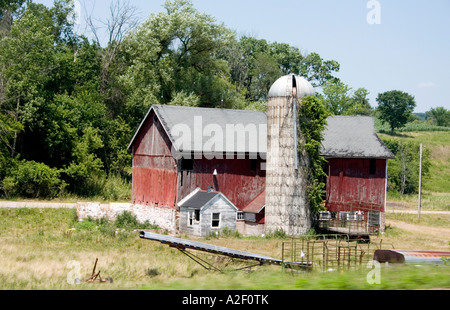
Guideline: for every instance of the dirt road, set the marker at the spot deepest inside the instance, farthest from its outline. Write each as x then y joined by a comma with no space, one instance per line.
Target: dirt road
37,205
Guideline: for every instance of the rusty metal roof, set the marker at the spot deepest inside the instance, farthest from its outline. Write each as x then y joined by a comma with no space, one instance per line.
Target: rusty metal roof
257,204
411,257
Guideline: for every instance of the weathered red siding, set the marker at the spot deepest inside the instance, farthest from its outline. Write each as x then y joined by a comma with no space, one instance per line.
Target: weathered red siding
158,179
154,168
235,179
350,183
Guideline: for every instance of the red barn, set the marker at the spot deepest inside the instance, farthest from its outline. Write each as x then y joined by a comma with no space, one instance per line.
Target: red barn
178,150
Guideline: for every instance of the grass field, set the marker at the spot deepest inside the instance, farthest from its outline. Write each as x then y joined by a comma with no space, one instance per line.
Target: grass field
37,248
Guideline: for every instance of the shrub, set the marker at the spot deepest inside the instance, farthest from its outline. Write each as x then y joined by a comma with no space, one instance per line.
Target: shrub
277,234
127,220
30,179
115,188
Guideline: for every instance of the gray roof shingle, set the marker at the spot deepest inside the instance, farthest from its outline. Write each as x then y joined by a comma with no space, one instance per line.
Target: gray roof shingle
353,137
199,200
214,121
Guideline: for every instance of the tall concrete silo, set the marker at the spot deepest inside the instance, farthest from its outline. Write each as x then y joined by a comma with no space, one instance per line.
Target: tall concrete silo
287,207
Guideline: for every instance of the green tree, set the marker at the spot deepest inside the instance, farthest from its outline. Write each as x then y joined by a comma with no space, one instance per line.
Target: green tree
25,76
395,108
86,169
340,99
8,129
337,97
265,71
318,71
255,61
175,51
360,103
8,8
51,100
439,116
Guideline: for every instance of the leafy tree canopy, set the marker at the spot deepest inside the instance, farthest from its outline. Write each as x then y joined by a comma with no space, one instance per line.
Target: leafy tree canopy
439,116
395,108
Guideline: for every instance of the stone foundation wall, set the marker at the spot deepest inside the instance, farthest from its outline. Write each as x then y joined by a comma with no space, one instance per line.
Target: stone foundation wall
165,218
248,229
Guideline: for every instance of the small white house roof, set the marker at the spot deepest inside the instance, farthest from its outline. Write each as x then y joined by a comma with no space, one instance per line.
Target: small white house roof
199,199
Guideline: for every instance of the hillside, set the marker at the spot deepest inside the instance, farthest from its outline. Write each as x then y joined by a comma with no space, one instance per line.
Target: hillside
436,186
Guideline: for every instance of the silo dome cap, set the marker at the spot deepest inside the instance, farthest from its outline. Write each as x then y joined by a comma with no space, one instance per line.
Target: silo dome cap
284,87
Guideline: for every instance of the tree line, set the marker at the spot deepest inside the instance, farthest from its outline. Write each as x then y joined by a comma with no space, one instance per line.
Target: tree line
69,106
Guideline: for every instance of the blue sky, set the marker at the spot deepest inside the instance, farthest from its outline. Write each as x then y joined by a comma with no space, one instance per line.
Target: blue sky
409,50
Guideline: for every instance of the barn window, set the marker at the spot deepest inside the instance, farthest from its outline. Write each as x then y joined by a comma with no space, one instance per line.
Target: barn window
253,165
187,164
215,220
373,166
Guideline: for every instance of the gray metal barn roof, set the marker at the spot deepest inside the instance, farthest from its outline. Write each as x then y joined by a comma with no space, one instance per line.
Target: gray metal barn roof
204,124
344,137
353,137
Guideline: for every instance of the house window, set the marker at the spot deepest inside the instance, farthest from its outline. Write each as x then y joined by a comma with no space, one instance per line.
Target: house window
197,215
240,216
193,216
190,218
187,164
215,220
373,166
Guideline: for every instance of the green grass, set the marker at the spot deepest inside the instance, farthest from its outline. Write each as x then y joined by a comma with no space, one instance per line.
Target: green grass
432,220
431,201
392,278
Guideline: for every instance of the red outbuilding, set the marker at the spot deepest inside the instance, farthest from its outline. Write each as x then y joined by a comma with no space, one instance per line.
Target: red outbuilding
357,175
